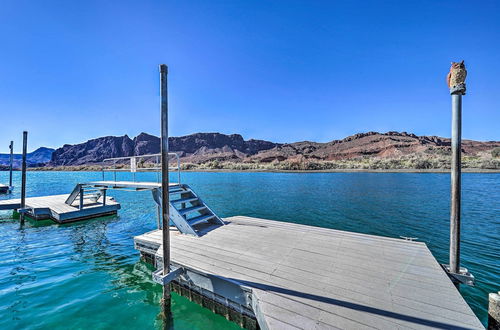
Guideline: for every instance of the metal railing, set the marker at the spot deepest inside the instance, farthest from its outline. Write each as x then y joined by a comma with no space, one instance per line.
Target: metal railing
134,164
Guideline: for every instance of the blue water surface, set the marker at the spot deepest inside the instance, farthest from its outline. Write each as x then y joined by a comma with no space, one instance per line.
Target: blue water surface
88,275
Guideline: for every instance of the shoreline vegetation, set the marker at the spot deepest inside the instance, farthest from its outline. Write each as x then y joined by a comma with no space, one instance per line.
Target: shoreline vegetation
432,160
351,170
365,152
408,163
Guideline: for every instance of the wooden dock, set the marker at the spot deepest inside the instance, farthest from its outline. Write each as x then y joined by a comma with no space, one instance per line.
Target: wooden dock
293,276
54,208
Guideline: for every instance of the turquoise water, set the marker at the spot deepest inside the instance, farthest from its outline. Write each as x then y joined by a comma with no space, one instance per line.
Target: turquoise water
88,275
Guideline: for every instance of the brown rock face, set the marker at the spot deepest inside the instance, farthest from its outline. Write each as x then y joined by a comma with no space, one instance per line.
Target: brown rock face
383,145
93,151
199,147
204,147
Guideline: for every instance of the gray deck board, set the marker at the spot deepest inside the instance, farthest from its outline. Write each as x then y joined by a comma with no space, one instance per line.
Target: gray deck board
316,278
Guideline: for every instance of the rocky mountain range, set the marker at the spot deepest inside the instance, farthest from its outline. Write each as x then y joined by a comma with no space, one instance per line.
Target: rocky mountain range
197,148
201,148
39,157
370,144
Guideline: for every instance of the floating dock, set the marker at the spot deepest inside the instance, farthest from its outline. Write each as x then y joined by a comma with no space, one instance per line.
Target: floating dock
55,208
4,189
278,275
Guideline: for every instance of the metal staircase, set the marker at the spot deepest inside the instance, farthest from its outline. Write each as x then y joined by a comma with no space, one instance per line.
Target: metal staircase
188,212
84,192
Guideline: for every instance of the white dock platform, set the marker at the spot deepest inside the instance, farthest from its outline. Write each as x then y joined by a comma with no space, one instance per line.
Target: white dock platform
54,207
128,185
303,277
4,189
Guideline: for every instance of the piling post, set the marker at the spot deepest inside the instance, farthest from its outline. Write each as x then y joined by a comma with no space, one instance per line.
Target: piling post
104,191
80,205
494,311
456,83
158,216
456,176
11,147
23,177
165,198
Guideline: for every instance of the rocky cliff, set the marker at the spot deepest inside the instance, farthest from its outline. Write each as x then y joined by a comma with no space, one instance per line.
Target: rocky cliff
93,151
199,147
371,144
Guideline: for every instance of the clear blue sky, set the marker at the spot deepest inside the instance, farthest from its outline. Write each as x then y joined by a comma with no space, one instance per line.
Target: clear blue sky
278,70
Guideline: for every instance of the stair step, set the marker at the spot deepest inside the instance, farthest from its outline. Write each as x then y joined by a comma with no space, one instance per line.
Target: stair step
91,196
184,200
200,219
192,209
178,191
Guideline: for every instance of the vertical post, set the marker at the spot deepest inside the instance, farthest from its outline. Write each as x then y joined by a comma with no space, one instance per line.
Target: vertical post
494,311
456,176
104,197
157,172
11,163
81,198
23,177
165,202
133,167
178,170
158,216
456,83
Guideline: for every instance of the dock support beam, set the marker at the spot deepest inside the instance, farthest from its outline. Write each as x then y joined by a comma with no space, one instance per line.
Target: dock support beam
158,216
80,194
456,174
456,83
494,311
11,147
165,196
23,177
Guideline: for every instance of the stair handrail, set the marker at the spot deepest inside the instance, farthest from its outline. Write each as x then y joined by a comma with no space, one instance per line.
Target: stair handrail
134,168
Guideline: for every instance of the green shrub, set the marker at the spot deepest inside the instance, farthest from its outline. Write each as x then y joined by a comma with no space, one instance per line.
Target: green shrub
495,152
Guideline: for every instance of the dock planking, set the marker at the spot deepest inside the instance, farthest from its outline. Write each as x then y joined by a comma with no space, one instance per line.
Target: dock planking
54,208
316,278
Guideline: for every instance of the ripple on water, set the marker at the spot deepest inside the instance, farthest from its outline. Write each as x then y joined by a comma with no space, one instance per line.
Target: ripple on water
88,274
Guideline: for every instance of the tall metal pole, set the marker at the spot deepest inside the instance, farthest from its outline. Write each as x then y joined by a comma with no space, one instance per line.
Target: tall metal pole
11,161
164,188
23,177
456,83
456,178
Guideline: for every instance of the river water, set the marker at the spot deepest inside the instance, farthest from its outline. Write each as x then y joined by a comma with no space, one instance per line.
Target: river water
88,275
